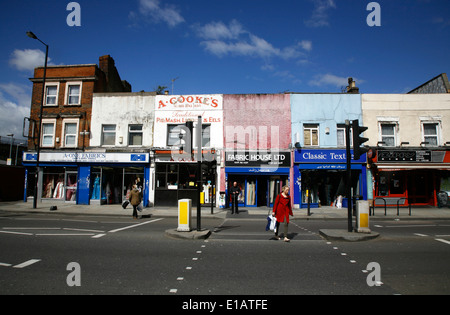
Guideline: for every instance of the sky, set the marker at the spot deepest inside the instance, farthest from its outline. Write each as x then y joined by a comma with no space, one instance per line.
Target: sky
226,47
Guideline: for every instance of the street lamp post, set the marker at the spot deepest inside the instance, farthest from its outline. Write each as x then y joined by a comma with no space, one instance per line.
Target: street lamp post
38,147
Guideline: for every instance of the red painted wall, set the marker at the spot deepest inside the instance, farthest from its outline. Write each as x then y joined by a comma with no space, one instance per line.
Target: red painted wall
257,121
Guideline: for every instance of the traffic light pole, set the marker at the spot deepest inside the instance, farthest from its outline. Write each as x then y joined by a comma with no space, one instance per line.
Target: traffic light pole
349,175
199,172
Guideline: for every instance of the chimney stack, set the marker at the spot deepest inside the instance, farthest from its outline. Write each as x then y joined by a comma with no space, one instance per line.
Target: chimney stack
352,88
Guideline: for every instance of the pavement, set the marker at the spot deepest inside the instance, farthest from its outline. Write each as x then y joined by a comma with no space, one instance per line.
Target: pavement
323,213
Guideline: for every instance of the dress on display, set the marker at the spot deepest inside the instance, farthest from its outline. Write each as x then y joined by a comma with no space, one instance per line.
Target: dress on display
96,189
59,190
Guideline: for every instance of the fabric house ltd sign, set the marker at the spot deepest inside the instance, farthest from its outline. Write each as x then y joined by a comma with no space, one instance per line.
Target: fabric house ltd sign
276,159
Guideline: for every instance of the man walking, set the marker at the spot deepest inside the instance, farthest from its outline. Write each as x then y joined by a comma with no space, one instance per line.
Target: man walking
135,200
235,190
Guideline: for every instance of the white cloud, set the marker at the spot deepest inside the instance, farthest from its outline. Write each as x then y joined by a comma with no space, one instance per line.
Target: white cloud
306,45
329,79
167,13
232,39
218,30
319,16
15,102
27,59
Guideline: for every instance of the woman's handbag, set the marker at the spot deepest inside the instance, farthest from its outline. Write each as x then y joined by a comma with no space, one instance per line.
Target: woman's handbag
271,222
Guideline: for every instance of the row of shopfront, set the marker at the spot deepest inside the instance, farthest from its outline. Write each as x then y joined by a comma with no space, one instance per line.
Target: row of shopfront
414,176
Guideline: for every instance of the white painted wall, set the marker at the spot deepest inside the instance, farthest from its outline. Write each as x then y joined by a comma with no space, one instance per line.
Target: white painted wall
122,110
409,111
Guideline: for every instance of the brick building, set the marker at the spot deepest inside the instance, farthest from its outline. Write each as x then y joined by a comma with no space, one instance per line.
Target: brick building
65,126
68,102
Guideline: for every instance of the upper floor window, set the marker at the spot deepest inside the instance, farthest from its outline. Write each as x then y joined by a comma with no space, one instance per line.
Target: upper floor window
389,134
73,93
70,133
431,134
135,135
109,135
206,136
341,136
51,94
48,133
311,134
173,135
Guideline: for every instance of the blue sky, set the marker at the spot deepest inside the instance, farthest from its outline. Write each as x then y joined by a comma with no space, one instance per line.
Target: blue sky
215,46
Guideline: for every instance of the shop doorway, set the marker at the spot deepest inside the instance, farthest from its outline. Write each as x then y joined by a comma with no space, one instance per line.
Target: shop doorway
325,186
71,182
258,190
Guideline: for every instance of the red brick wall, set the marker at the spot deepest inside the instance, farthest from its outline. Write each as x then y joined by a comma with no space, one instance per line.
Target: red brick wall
95,80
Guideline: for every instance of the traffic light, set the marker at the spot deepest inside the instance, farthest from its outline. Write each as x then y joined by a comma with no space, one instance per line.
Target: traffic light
358,140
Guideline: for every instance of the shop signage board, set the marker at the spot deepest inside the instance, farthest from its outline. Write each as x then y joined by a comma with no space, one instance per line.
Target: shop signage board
319,156
257,159
189,102
404,156
173,110
87,157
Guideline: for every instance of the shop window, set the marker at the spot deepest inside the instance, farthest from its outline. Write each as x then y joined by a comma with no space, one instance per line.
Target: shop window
388,134
96,174
187,176
311,135
71,186
135,135
431,134
391,184
59,183
109,135
53,183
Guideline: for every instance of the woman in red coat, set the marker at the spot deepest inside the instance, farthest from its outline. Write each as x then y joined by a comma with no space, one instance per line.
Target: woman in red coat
282,210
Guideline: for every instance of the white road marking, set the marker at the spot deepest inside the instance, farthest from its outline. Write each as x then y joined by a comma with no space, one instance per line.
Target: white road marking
16,233
98,235
443,241
135,225
27,263
29,228
5,265
407,226
422,235
83,230
66,234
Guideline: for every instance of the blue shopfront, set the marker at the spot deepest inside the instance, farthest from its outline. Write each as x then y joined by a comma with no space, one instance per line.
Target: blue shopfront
260,176
86,178
321,174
